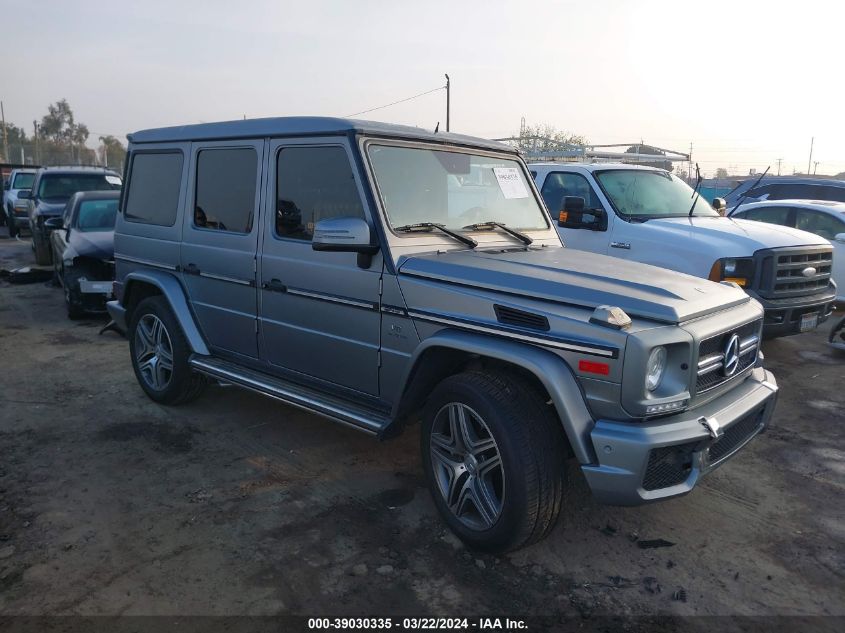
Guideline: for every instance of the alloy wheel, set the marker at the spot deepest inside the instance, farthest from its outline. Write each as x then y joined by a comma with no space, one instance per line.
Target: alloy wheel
153,352
467,466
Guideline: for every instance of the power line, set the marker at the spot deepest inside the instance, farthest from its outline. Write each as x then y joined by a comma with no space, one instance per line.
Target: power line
422,94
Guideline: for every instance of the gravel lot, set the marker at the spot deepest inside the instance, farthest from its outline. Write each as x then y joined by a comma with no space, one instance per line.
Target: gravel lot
235,504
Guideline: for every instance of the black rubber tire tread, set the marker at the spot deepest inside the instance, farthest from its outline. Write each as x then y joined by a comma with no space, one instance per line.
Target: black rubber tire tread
13,229
43,256
537,438
185,384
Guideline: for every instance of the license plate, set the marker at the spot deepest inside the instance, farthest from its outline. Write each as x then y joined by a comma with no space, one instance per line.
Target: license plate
97,287
808,321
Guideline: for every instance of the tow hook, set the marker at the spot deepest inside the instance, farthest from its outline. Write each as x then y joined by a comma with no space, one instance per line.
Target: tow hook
712,426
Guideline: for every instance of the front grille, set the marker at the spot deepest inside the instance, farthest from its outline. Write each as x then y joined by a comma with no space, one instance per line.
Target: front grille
520,318
711,355
783,271
735,435
668,466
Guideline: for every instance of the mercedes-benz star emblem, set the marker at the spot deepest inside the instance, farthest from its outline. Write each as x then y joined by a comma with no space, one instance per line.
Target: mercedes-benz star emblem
731,356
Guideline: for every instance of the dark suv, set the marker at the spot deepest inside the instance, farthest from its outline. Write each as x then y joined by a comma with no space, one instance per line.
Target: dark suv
51,189
787,188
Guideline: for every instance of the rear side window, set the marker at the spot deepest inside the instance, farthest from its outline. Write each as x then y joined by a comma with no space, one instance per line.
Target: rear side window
225,199
312,184
770,215
154,181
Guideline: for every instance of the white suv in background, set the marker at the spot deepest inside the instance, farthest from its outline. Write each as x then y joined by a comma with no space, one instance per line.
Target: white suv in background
648,215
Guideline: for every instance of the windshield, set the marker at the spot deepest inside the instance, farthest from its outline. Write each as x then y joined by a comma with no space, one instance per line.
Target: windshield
63,186
96,215
455,189
23,181
650,194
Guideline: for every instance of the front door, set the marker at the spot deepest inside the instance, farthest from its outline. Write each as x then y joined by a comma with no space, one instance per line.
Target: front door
560,184
220,237
319,311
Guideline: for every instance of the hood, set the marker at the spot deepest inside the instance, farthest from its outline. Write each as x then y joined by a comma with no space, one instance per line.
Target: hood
730,237
579,278
96,244
49,208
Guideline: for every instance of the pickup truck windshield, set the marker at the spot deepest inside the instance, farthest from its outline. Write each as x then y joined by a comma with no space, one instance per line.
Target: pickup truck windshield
23,181
63,186
650,194
454,189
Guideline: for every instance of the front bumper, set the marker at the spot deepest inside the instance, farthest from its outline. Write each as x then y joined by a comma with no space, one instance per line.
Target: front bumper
783,316
644,462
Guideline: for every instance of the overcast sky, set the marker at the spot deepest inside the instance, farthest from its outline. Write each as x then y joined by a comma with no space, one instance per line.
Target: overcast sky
746,82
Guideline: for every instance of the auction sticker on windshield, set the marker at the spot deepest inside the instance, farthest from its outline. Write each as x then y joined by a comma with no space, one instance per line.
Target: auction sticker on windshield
510,183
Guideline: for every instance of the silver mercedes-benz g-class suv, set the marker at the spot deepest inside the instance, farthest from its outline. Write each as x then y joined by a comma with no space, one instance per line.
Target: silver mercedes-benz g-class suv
378,275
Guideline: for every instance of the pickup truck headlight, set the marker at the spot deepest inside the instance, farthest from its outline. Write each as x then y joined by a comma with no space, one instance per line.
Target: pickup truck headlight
655,367
739,270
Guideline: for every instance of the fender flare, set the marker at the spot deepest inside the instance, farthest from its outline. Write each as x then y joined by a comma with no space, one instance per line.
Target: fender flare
551,370
174,293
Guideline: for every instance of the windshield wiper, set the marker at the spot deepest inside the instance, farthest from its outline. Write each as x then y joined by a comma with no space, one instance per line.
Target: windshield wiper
481,226
696,193
751,188
426,227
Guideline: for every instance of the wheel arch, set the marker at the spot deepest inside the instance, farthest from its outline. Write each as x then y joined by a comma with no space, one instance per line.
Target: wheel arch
138,285
450,351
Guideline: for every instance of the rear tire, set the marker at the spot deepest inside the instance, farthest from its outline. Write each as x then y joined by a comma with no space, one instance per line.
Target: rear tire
42,251
13,230
160,352
504,418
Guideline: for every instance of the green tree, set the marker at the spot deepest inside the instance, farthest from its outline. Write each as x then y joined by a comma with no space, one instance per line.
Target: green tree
61,138
112,152
721,172
546,138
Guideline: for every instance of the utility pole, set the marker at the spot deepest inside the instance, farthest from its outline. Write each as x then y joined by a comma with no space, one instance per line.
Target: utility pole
5,136
815,166
37,148
812,139
448,95
689,168
780,160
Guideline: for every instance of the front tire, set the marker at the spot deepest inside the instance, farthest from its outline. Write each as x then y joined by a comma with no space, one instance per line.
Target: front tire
493,453
42,251
13,229
160,354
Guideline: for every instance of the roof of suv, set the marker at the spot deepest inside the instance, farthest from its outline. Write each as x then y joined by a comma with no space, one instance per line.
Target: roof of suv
303,126
827,206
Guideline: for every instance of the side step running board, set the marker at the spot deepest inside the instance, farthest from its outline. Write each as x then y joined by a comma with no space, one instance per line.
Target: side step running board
310,400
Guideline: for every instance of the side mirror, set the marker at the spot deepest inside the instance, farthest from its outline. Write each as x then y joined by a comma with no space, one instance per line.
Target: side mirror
52,224
345,235
24,194
575,216
839,237
719,205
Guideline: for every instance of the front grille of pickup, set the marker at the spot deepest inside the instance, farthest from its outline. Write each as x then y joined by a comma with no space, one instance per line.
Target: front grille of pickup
711,355
795,271
735,435
668,466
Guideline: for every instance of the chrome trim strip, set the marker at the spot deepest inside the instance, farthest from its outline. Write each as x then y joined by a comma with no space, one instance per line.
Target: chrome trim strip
537,340
145,262
394,310
288,396
332,298
242,282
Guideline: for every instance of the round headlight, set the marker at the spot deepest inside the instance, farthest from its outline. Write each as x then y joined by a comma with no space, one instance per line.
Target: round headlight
654,368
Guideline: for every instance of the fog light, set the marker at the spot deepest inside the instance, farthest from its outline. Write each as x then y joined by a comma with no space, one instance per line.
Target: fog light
665,407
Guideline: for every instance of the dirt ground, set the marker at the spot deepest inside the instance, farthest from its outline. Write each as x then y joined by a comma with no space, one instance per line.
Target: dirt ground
236,504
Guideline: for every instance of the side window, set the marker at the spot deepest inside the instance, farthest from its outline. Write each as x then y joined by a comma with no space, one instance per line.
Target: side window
225,189
154,181
822,224
312,184
836,194
770,215
559,184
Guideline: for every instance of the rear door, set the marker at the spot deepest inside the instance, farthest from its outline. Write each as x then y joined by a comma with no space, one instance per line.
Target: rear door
220,238
320,312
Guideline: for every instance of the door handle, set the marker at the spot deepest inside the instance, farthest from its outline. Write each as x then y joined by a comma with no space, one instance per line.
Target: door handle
625,245
274,285
191,269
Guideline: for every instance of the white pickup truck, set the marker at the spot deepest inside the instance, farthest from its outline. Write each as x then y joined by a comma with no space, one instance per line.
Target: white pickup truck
648,215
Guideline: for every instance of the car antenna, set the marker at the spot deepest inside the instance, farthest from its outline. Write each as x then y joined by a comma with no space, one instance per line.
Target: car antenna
751,188
696,193
437,127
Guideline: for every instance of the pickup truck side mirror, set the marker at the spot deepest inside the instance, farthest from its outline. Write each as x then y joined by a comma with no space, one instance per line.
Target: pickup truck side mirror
719,205
839,237
575,216
24,194
345,235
